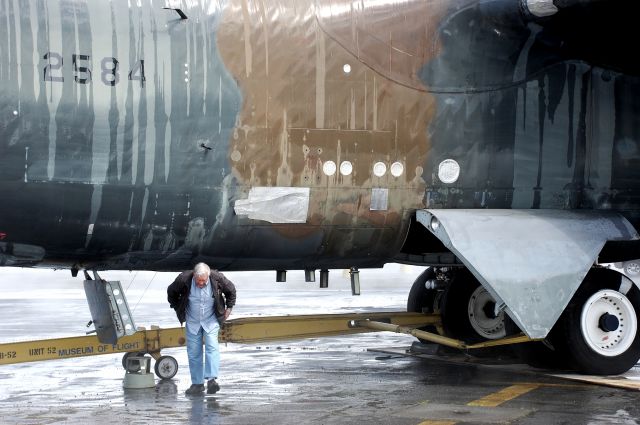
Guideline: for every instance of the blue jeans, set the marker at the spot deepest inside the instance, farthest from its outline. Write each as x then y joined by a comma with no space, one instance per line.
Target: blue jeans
211,355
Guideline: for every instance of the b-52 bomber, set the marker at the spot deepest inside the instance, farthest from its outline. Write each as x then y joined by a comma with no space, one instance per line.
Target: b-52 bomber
494,142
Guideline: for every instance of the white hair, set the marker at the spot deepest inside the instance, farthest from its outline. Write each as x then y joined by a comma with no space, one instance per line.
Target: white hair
201,269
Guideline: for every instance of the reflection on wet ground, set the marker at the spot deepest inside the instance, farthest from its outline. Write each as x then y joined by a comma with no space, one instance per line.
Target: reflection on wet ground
325,381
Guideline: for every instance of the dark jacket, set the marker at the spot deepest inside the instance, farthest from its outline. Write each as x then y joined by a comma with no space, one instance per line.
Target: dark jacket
224,294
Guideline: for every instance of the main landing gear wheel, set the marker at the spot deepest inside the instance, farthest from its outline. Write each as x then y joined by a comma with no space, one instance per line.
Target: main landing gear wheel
468,311
600,326
423,300
166,367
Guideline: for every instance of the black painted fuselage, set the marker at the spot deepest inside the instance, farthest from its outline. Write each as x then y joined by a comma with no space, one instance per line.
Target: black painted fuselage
128,135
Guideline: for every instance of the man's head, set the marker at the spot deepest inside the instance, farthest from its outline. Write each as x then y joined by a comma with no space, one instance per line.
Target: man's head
201,274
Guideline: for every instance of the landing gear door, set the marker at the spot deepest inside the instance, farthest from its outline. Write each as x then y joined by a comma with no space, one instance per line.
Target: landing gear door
109,310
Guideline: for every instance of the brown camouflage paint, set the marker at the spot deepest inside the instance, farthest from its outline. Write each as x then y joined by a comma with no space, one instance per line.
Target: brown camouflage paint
301,109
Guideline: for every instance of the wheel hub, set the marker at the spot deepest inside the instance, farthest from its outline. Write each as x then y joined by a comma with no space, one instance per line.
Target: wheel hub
482,316
608,323
489,310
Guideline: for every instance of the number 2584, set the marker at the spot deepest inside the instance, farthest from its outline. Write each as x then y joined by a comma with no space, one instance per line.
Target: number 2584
82,73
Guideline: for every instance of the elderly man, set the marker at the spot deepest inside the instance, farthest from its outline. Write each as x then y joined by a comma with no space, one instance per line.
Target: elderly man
203,298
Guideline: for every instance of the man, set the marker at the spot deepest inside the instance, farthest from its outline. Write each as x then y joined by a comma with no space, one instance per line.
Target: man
203,298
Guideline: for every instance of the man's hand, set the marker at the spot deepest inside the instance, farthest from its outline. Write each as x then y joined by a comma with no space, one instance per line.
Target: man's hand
227,313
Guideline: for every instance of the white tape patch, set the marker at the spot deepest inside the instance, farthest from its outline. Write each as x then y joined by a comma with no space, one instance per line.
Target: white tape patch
275,204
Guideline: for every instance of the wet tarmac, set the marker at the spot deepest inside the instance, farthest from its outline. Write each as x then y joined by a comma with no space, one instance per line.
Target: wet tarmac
336,380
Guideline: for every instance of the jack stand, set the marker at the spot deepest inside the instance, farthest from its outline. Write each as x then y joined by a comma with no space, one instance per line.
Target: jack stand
138,373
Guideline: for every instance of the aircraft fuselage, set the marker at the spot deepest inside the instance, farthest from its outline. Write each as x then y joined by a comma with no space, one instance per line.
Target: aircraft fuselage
128,135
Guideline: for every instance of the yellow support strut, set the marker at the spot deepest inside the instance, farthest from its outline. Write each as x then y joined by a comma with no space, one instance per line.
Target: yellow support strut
243,330
439,339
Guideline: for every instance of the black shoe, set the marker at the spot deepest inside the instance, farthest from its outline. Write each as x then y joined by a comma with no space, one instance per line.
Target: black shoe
195,389
212,386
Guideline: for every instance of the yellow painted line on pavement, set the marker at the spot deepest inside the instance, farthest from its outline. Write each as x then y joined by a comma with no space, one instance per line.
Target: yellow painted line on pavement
437,423
554,385
504,395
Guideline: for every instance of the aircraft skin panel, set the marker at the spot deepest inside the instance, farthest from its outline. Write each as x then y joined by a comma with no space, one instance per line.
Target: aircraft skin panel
128,134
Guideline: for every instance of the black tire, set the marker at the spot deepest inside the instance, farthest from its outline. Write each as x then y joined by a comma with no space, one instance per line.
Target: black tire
129,354
586,356
538,354
455,304
423,300
166,367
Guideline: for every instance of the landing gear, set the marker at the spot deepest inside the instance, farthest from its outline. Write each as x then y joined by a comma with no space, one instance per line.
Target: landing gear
597,334
598,330
422,299
467,309
425,300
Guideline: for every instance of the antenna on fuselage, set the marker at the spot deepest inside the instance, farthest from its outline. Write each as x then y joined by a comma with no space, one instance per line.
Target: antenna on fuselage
178,11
